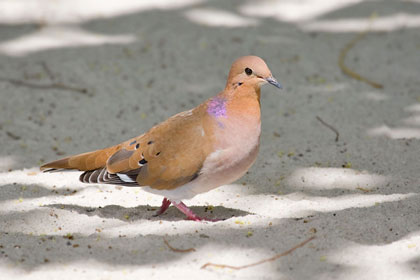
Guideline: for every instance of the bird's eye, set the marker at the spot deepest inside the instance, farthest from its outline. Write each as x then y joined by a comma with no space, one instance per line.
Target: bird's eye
248,71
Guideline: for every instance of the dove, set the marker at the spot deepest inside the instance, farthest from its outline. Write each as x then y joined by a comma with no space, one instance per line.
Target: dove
190,153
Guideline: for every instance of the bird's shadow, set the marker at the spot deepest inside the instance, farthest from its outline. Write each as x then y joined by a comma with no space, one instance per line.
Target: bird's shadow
147,212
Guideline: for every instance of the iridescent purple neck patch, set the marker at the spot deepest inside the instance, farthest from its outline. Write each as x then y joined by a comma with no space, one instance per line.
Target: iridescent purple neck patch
217,107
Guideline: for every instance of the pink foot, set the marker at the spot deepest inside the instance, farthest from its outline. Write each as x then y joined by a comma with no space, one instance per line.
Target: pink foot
165,204
190,214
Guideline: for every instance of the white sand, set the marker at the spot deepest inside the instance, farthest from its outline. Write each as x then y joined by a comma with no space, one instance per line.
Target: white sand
144,61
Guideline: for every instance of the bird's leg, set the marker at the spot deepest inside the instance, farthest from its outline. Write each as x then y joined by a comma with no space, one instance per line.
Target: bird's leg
165,204
190,214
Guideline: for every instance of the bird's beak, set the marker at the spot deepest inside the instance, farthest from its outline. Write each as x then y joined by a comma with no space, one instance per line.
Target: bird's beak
274,82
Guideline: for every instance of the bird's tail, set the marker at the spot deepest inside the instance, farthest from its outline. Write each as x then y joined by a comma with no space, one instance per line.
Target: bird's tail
87,161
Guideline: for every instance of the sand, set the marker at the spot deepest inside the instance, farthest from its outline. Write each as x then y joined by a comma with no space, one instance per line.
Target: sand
128,65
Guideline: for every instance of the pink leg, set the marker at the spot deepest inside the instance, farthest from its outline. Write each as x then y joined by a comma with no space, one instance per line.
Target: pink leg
165,204
190,214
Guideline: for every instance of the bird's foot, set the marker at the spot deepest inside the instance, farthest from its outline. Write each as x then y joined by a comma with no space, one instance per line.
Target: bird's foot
190,214
165,205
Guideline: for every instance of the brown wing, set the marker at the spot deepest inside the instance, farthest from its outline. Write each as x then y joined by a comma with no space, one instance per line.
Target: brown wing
169,155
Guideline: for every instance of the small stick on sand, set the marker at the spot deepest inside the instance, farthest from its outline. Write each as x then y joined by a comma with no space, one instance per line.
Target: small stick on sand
176,249
12,135
347,71
44,86
337,135
262,261
48,71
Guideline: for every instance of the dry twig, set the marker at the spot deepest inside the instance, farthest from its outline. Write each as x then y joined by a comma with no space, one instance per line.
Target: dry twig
337,135
262,261
47,70
348,71
12,135
365,190
176,249
44,86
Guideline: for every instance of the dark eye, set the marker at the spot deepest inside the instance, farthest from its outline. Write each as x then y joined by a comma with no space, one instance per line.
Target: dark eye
248,71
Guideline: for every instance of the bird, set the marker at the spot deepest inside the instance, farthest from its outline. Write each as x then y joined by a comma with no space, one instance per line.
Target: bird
192,152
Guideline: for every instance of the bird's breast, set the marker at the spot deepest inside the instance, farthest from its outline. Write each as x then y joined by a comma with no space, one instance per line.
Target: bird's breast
239,126
236,139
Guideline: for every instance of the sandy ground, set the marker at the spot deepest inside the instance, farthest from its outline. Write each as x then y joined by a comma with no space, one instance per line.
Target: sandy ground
143,61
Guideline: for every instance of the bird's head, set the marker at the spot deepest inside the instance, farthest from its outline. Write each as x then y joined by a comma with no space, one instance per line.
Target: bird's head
250,70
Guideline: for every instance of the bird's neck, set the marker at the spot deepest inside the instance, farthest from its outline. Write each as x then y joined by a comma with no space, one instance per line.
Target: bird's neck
242,89
244,95
236,118
237,90
241,102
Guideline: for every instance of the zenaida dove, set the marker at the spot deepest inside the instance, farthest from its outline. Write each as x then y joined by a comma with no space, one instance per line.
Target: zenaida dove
192,152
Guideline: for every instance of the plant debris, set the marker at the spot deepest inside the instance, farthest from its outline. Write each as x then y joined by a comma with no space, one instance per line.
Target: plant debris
365,190
47,71
69,236
261,261
337,135
176,249
12,135
54,85
347,71
347,164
